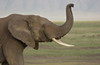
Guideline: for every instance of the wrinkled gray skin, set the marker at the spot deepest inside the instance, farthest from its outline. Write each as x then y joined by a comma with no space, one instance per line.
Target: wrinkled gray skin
19,31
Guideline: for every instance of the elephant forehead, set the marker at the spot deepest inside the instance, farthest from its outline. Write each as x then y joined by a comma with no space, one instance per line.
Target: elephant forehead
38,19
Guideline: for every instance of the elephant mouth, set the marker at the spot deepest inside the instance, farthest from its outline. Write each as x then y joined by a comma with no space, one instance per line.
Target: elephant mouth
62,43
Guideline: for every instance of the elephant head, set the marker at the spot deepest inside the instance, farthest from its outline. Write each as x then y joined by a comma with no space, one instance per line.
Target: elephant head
31,29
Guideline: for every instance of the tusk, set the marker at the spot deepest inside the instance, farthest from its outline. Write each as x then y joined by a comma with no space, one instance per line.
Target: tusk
61,43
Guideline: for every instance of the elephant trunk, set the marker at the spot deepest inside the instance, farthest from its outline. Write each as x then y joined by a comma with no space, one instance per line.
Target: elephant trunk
65,28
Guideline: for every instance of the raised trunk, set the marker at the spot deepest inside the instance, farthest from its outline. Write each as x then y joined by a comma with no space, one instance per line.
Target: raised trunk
65,28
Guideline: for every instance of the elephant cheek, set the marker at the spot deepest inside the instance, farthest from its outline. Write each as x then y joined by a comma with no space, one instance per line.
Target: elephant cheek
44,37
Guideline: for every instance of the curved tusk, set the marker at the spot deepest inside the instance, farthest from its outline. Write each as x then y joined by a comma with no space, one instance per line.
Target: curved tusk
61,43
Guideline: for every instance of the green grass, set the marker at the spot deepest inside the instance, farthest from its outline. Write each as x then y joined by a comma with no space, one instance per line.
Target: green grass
86,38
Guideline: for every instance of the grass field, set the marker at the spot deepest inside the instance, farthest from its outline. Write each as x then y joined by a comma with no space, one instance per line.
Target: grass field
86,38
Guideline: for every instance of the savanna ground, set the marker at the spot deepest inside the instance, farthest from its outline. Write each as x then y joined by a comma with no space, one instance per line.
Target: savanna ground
86,38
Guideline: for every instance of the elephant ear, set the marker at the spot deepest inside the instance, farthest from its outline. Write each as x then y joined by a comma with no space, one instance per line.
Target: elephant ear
20,30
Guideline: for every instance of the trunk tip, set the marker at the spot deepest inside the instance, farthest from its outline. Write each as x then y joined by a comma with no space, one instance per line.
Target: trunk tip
71,5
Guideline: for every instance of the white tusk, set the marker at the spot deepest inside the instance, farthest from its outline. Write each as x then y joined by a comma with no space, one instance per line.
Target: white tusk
61,43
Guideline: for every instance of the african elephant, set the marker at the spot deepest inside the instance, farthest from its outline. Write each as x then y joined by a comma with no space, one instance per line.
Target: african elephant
19,31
